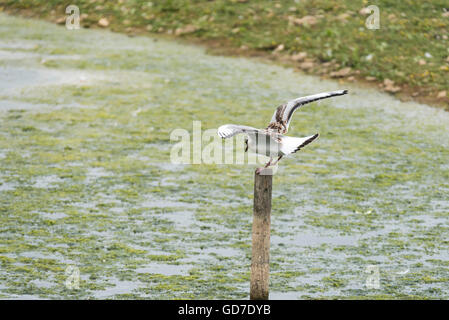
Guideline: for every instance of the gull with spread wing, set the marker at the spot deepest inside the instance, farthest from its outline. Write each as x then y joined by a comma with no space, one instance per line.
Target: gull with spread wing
271,141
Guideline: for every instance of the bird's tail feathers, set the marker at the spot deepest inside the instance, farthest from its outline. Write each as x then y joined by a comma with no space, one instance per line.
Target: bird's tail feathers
292,144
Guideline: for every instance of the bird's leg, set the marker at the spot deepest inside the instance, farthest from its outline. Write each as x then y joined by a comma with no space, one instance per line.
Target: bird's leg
259,170
268,163
280,157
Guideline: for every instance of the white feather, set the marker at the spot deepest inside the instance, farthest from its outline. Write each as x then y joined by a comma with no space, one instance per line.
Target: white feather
290,145
229,130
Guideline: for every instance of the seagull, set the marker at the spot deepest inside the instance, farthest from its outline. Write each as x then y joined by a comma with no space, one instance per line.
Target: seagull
271,141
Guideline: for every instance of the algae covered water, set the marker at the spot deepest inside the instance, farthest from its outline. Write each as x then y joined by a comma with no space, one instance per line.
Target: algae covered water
91,206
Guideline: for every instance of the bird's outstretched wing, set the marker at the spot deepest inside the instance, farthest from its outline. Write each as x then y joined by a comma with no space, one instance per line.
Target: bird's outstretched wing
283,114
291,145
229,130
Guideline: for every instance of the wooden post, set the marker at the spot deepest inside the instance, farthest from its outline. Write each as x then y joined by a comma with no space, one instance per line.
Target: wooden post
260,262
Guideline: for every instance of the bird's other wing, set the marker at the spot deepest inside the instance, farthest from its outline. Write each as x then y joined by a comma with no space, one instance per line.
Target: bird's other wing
283,114
291,145
229,130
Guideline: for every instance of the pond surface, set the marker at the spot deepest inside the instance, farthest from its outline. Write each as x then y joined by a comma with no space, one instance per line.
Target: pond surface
86,183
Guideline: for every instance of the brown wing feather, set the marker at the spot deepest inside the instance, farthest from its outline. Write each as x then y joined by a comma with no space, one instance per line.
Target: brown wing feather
279,125
283,114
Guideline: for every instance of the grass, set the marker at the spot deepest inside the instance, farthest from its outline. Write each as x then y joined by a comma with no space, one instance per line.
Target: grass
410,48
86,178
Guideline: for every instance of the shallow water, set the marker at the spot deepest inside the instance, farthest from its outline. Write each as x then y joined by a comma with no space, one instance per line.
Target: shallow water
86,179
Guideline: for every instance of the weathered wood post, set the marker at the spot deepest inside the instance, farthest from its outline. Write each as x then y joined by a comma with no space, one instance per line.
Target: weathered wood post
260,262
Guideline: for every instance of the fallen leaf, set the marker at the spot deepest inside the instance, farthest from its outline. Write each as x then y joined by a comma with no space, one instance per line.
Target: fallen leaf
422,62
185,30
306,20
389,86
279,48
341,73
61,20
393,89
343,17
103,22
299,57
441,94
365,11
306,65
